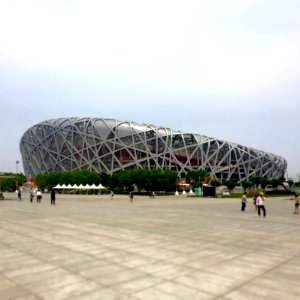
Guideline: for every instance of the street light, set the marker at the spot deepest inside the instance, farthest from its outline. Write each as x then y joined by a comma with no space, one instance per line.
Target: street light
17,163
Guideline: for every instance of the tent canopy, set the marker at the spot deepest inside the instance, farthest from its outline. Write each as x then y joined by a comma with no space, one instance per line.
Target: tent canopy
81,186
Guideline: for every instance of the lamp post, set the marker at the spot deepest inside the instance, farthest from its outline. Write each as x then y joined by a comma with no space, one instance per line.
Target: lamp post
17,164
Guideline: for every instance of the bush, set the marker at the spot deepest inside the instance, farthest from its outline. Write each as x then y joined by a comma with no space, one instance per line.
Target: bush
279,193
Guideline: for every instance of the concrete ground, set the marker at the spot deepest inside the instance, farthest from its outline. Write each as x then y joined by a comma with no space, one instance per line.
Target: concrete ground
92,247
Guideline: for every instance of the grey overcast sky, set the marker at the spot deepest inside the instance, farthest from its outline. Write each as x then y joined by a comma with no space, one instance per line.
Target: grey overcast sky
227,69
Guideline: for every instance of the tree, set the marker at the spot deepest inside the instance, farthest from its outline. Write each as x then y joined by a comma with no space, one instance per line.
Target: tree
126,179
246,185
10,181
51,179
230,184
155,179
215,183
197,177
144,179
264,182
255,180
275,183
297,184
290,183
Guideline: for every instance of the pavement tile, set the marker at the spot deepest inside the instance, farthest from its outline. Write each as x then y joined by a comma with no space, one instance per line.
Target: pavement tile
87,265
105,294
154,294
138,261
173,272
261,292
13,292
182,291
30,297
155,266
208,282
101,270
40,276
29,270
69,291
137,284
52,283
6,283
118,277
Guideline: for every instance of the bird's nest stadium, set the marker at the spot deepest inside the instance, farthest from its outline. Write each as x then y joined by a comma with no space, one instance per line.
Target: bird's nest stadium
110,146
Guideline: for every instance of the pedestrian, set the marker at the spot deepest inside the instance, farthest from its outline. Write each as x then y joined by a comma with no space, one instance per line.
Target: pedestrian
31,195
131,196
52,197
39,196
19,195
297,200
260,202
111,195
254,201
244,201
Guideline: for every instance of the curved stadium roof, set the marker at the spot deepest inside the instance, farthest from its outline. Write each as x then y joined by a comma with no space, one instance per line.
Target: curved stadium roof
109,145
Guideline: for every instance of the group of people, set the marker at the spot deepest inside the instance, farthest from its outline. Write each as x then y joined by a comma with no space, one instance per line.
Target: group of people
258,200
259,203
130,195
38,196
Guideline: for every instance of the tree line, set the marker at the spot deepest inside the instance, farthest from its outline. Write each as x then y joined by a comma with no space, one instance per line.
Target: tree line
124,181
142,179
9,182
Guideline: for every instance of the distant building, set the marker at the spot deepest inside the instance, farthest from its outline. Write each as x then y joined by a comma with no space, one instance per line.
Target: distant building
110,146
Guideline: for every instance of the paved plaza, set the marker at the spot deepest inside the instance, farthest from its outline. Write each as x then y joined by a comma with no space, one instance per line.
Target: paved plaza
167,248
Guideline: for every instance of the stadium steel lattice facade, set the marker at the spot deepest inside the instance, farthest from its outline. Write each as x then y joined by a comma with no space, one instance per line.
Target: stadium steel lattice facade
109,146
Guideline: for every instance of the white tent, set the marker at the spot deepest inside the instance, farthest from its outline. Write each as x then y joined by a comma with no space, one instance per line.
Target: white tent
80,187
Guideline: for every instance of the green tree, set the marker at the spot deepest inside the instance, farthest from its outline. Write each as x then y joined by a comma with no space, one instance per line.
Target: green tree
230,184
41,181
9,181
104,179
126,179
264,182
297,183
51,179
215,183
275,183
246,185
290,183
196,178
255,180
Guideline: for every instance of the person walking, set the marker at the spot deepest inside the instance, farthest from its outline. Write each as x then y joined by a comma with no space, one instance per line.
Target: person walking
297,202
244,201
19,195
31,195
260,202
38,196
254,201
111,195
131,196
52,197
